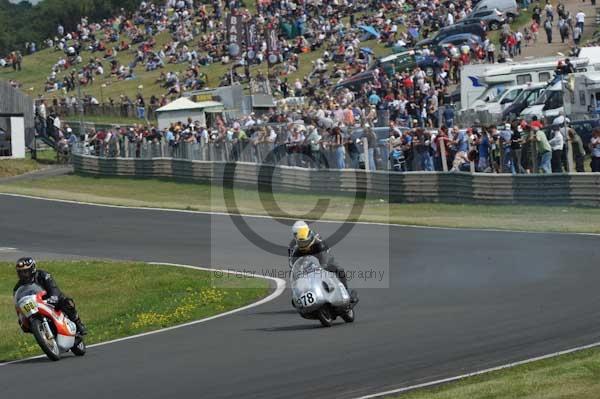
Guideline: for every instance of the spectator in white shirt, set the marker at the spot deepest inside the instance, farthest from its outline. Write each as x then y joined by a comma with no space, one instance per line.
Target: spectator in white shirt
557,143
580,19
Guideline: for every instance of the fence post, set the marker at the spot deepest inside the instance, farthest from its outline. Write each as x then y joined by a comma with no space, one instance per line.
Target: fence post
388,161
571,169
471,163
365,144
442,146
534,157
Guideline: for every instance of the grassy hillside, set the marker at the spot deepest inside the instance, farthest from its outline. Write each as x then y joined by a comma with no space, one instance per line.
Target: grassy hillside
37,67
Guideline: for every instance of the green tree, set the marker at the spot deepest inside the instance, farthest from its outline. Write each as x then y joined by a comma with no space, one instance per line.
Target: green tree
21,23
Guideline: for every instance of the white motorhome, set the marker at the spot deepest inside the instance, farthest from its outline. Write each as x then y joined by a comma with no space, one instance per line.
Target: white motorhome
581,95
485,82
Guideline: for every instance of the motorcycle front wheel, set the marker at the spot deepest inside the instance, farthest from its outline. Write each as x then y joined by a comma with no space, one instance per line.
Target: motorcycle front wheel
325,317
49,346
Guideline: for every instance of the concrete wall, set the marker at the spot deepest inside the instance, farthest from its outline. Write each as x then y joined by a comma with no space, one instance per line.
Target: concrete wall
577,189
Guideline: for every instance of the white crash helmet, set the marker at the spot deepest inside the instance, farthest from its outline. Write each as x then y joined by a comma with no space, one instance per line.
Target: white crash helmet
299,224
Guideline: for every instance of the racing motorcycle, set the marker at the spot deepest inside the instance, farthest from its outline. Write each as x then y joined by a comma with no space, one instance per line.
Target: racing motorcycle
318,294
52,329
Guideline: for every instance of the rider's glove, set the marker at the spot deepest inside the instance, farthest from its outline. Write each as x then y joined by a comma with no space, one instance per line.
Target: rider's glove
53,300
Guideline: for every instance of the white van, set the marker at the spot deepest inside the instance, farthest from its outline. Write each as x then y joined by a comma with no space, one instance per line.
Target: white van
527,97
497,104
549,105
485,82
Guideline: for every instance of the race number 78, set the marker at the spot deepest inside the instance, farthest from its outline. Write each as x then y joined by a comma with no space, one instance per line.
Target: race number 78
307,299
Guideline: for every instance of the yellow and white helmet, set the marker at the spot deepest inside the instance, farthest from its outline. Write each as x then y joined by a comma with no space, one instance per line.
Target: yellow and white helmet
303,235
297,225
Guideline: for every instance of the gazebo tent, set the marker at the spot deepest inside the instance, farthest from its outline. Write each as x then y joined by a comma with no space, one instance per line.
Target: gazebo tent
183,108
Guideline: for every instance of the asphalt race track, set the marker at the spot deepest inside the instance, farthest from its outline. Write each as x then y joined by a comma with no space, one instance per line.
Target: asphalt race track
458,301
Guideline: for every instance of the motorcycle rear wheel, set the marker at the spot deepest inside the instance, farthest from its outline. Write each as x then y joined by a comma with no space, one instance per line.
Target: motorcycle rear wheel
51,351
348,316
325,317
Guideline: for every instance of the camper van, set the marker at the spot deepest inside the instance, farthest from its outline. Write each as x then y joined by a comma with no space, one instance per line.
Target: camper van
578,95
548,106
524,100
582,95
499,103
485,82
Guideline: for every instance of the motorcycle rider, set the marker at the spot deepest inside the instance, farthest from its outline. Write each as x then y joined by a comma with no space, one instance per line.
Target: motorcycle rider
29,274
307,242
292,246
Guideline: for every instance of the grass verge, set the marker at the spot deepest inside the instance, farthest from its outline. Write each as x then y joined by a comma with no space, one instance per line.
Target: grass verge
203,197
575,376
14,167
117,299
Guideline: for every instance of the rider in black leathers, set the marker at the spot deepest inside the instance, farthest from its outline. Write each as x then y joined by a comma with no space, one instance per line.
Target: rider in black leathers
29,273
314,245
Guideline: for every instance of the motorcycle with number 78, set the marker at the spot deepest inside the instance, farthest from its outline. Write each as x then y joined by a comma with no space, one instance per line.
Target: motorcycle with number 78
319,294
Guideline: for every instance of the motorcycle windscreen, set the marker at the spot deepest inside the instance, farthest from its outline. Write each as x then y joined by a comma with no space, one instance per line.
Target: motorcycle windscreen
27,290
304,266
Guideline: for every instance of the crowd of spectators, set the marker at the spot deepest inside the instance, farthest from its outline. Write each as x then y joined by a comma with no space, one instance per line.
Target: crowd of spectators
413,103
197,37
299,139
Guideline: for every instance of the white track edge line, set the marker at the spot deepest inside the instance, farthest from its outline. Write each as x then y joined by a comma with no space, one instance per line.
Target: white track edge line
412,226
480,372
280,287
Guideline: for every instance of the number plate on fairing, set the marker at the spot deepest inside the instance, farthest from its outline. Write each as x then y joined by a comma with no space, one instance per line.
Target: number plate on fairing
28,307
307,299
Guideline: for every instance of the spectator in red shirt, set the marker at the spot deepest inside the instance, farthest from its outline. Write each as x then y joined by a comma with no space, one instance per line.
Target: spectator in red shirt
408,85
535,123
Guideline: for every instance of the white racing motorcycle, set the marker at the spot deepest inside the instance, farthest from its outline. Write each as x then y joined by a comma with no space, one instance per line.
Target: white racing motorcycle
52,329
318,294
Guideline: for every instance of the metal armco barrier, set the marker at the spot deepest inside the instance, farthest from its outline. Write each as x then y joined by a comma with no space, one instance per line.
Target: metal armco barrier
220,151
559,189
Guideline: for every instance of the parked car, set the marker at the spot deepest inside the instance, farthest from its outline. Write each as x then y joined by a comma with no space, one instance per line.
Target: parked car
509,7
456,40
493,19
474,28
406,60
